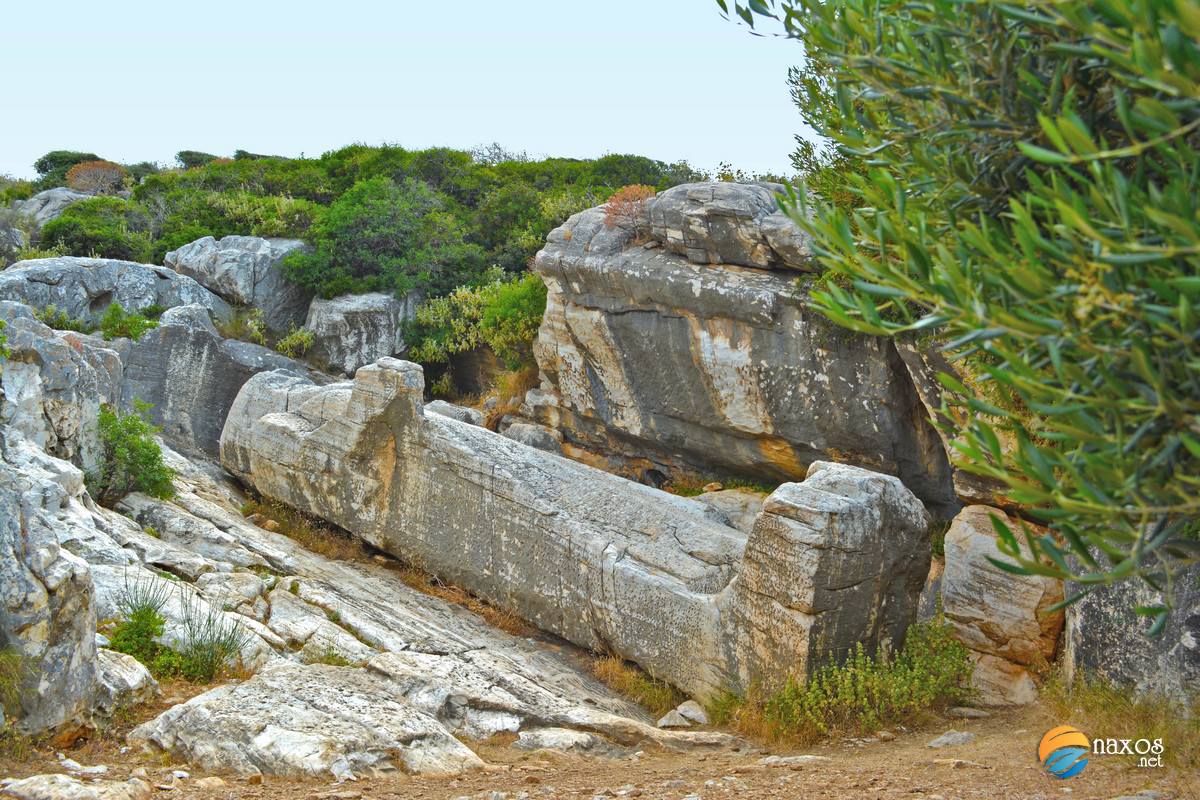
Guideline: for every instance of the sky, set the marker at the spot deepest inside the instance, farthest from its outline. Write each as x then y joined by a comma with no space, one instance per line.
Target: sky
138,81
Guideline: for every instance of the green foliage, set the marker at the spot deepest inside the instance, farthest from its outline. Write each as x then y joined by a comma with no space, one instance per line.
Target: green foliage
210,642
131,459
629,680
1031,202
384,236
246,325
188,159
863,694
296,343
117,323
52,167
503,313
60,320
106,227
3,341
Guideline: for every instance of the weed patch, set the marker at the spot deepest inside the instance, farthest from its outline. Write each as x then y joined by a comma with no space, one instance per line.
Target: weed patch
628,680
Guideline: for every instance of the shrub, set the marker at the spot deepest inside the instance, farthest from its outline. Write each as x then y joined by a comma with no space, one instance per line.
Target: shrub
189,159
131,460
624,208
296,343
503,313
117,323
96,177
1031,203
862,694
106,227
384,236
52,167
3,340
60,320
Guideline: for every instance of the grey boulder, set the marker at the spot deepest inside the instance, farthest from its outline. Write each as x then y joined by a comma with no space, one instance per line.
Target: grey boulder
534,435
83,288
245,271
727,223
356,329
49,204
470,416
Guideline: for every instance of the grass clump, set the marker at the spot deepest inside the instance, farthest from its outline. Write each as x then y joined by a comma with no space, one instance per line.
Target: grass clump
430,584
333,659
60,320
210,642
859,695
310,533
13,671
1096,706
245,325
626,679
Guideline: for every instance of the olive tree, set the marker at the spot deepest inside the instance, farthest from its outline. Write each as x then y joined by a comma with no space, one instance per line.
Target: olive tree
1026,199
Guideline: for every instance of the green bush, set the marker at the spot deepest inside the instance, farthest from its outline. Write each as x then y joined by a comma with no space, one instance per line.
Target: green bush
861,694
384,236
503,313
296,343
189,159
52,167
60,320
117,323
131,459
106,227
1031,204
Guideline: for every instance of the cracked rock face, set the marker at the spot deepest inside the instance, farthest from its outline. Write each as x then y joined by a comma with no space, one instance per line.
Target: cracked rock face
244,270
1104,638
1001,617
693,352
353,330
601,561
83,288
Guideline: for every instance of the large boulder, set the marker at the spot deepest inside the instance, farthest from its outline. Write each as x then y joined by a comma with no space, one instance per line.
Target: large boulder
49,204
244,270
602,561
833,562
665,356
356,329
83,288
727,223
1003,618
191,375
47,622
1105,639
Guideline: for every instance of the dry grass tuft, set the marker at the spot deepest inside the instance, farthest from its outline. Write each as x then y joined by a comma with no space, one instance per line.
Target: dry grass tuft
628,680
1104,711
509,391
427,583
312,534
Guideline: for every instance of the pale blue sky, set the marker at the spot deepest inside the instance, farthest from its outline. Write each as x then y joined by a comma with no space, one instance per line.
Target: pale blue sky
134,80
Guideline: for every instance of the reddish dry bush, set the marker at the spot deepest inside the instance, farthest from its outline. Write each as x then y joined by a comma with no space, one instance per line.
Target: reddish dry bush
96,177
624,208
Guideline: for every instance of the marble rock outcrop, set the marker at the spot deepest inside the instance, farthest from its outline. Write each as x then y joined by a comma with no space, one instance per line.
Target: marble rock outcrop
49,204
1003,618
1106,640
686,345
190,375
245,271
601,561
356,329
83,288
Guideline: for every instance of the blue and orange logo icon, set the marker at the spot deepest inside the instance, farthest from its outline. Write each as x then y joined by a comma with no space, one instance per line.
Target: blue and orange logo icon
1064,751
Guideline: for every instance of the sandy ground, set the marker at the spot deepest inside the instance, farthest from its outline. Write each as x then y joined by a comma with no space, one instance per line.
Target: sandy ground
1000,763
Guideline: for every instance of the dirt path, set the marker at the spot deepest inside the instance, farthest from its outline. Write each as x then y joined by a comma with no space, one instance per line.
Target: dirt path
1000,763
